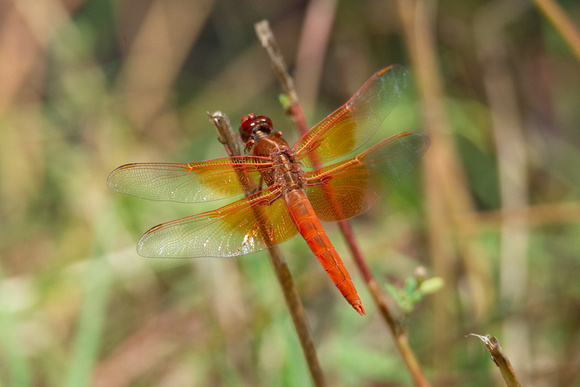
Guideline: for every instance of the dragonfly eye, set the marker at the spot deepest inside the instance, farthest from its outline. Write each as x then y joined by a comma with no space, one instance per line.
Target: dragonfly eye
252,124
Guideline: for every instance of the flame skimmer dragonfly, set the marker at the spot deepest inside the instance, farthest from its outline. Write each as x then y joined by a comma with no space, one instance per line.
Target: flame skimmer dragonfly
287,200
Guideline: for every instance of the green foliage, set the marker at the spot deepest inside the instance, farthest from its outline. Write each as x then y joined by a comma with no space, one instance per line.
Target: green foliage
413,291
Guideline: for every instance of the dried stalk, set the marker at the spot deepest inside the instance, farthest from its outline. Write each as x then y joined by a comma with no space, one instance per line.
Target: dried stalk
399,334
500,360
269,43
562,23
228,139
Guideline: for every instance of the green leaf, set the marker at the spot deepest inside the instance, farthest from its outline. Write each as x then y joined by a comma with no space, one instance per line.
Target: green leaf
431,285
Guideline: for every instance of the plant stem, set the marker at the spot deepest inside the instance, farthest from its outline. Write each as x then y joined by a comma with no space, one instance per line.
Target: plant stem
562,23
295,307
500,360
399,334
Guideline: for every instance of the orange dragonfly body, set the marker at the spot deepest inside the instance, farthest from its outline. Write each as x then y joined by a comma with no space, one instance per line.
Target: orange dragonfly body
285,200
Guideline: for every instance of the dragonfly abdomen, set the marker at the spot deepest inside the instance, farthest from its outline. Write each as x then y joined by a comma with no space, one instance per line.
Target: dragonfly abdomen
311,230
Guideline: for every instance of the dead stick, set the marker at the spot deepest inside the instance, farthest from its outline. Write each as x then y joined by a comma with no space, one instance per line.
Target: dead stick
269,43
228,138
500,360
562,23
399,334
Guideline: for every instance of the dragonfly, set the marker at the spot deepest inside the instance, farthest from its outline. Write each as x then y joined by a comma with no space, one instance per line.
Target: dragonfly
289,190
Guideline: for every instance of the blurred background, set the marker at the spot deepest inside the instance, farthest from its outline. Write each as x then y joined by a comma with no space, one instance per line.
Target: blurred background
86,86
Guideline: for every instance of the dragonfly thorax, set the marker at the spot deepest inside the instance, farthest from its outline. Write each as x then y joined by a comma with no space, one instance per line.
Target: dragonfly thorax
287,171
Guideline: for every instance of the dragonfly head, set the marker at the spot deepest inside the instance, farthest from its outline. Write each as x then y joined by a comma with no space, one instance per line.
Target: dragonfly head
253,126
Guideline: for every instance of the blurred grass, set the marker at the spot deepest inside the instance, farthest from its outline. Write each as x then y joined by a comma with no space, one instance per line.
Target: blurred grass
90,85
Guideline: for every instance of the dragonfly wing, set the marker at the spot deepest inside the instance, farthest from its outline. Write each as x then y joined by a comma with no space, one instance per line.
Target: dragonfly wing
351,187
356,121
250,224
189,182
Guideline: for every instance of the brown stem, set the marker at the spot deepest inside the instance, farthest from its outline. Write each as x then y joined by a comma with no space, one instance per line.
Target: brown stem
399,335
562,23
500,360
269,43
229,140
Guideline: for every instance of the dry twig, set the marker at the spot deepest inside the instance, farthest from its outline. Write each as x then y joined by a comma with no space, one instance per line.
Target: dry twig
399,334
228,138
562,23
500,360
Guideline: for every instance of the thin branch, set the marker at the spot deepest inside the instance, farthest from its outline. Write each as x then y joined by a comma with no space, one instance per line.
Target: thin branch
562,23
269,43
227,137
500,360
229,140
399,335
